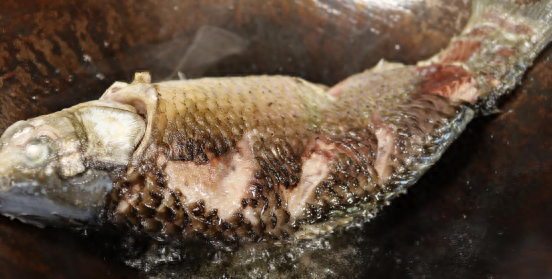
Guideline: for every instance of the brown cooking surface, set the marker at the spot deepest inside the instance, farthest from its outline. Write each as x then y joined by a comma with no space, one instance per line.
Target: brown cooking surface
483,211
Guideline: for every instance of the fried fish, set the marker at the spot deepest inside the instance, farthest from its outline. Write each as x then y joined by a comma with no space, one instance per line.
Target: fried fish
262,157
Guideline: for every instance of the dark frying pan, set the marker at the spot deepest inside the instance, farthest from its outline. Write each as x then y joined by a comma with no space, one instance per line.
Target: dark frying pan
482,212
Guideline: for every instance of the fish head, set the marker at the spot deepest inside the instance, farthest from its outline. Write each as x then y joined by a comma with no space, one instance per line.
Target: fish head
57,169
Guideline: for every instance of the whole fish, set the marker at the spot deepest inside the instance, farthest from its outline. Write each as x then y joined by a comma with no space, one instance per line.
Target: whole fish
262,157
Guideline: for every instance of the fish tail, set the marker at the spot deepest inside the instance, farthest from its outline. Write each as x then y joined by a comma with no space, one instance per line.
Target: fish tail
516,17
498,44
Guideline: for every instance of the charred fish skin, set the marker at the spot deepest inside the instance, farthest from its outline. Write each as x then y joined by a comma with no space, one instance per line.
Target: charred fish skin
263,157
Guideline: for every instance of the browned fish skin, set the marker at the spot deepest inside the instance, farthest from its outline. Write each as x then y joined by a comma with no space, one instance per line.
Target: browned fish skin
202,126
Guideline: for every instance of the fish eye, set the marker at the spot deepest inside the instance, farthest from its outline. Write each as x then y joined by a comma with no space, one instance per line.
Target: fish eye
36,154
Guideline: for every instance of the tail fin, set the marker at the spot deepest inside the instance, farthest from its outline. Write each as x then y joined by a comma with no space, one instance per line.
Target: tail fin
500,41
516,17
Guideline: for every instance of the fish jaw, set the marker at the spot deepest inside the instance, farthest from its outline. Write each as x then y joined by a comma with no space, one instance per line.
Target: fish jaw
53,203
57,169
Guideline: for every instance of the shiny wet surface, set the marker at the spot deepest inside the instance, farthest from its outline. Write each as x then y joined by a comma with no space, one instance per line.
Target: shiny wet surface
483,211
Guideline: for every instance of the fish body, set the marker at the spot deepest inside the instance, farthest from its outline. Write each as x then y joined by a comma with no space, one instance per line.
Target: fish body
262,157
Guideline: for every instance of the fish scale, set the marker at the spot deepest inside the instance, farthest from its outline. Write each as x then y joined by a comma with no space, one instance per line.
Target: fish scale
271,176
352,179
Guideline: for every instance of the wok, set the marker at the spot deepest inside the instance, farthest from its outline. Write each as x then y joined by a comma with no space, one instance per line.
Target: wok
483,211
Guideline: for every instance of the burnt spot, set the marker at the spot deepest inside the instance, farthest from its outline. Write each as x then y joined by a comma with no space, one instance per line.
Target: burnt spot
293,180
212,218
240,219
273,219
157,197
262,225
278,201
225,226
199,208
265,205
319,190
200,155
258,174
166,214
146,211
270,182
176,196
212,213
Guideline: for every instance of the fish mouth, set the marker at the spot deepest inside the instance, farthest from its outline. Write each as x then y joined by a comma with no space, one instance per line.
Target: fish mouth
42,211
41,205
